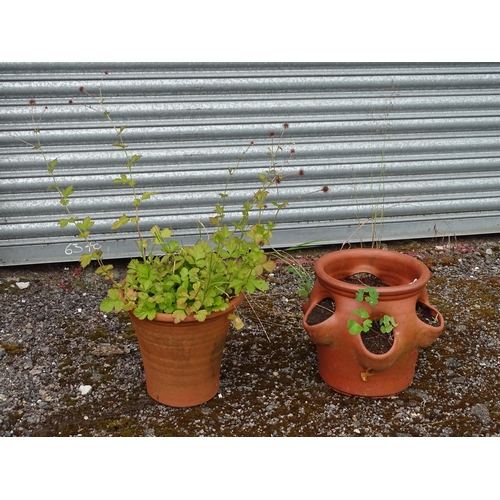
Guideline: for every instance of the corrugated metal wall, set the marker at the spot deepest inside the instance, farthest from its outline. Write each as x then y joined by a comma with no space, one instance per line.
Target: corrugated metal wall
421,141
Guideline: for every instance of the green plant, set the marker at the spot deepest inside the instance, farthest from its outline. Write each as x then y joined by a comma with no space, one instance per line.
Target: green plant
370,296
296,266
201,278
171,278
307,280
377,185
378,195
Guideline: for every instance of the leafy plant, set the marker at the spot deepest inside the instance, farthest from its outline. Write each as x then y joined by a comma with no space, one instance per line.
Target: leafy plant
171,278
370,296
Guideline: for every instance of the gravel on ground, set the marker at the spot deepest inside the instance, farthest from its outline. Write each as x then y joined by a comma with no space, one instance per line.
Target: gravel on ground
67,369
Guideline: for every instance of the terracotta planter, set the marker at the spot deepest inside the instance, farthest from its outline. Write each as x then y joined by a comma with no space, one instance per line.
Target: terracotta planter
182,361
344,362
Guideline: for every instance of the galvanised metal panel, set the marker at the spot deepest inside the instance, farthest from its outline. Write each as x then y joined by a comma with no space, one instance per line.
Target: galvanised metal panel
419,141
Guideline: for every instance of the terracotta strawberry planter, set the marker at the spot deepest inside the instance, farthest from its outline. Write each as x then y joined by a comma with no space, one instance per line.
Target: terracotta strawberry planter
345,364
182,361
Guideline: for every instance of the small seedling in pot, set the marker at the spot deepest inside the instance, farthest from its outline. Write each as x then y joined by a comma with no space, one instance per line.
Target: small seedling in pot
370,296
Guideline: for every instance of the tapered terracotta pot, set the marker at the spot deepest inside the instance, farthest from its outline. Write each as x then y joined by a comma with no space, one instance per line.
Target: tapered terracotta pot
344,362
182,361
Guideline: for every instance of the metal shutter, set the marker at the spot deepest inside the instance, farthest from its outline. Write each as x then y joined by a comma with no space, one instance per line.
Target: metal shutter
419,140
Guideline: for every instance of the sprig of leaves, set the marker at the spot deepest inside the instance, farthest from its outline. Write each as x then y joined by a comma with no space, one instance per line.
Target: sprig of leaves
83,227
370,296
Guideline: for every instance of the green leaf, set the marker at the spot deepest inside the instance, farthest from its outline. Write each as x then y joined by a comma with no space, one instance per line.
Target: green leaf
121,180
368,294
51,166
85,259
179,315
64,222
354,327
260,285
367,324
362,313
387,324
146,285
104,270
120,222
147,196
201,315
87,223
133,160
166,233
143,271
372,298
67,191
111,303
155,231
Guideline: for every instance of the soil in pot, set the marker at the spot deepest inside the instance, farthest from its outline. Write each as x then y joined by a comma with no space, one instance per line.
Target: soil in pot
426,314
376,341
364,279
323,310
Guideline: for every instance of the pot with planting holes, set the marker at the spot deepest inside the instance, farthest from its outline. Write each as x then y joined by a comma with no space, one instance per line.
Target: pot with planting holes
369,315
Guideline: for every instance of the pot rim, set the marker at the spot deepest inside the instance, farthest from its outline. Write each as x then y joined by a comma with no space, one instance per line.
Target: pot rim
168,318
367,259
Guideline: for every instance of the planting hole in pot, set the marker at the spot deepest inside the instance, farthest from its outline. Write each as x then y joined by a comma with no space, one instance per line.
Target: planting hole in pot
364,279
427,314
323,310
375,341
